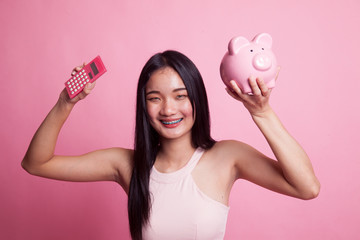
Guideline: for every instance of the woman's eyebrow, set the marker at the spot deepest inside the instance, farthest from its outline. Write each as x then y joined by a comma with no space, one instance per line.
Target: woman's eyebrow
179,89
151,92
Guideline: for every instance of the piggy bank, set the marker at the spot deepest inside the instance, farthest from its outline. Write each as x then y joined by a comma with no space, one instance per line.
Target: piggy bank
245,59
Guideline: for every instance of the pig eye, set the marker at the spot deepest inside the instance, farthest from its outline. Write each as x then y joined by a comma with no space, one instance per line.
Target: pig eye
251,50
262,48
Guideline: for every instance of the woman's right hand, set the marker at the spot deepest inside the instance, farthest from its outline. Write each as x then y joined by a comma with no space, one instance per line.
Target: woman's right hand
64,97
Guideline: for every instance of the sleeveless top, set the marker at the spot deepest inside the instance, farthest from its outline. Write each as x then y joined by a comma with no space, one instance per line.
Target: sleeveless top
180,210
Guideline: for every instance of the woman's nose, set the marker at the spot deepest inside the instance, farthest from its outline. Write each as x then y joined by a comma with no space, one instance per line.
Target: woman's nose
168,108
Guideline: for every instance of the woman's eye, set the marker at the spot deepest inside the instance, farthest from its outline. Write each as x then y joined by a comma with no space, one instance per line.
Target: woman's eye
153,99
181,96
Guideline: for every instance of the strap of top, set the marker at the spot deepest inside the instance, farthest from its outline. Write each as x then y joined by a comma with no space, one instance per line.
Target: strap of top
179,174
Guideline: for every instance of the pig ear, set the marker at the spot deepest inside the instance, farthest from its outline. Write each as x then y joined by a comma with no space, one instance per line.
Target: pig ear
264,39
236,43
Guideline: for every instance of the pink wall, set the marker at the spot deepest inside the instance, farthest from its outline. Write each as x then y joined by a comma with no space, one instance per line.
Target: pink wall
317,44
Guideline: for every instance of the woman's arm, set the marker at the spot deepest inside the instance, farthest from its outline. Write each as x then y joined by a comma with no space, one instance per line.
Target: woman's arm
292,173
108,164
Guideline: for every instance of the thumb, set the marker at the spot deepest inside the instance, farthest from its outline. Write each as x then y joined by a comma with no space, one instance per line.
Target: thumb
89,87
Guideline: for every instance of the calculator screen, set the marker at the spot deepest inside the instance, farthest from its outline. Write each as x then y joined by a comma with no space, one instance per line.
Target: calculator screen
94,68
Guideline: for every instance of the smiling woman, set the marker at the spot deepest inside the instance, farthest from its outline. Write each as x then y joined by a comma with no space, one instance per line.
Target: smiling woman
169,88
178,179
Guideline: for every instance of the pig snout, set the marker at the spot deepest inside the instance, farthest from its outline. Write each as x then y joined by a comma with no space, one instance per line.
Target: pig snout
262,62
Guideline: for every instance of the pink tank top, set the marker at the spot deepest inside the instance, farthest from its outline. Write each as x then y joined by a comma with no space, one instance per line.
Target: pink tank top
180,210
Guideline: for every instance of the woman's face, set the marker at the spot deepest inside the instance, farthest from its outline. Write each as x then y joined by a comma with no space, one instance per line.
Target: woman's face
168,104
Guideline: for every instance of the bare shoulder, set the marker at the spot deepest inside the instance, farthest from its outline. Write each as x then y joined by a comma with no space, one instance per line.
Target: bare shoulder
229,149
232,154
123,162
123,154
116,158
224,155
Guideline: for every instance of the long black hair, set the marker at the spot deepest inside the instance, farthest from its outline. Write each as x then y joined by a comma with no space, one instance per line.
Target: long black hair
147,139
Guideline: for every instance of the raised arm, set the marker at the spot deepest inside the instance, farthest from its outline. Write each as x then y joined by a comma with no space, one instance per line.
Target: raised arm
103,165
292,173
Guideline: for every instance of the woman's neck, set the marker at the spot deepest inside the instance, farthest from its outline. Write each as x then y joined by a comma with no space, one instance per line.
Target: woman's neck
173,154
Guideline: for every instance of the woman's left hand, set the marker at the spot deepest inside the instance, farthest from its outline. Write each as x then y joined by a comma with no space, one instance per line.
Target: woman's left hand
256,103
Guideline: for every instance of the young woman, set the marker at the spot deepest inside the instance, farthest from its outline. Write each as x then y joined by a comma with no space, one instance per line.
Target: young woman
178,179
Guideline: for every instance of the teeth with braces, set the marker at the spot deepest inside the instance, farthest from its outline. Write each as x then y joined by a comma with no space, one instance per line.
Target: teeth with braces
172,122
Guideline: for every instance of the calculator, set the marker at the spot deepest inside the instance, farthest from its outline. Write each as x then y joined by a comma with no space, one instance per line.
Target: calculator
89,73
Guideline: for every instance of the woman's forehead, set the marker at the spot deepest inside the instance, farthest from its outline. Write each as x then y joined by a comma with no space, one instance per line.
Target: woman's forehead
164,79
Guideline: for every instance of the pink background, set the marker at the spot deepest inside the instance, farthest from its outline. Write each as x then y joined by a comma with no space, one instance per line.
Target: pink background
317,45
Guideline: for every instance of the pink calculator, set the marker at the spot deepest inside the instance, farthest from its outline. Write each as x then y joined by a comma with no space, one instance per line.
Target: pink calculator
89,73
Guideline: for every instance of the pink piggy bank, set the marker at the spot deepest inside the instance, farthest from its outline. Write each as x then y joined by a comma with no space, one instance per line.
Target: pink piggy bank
245,59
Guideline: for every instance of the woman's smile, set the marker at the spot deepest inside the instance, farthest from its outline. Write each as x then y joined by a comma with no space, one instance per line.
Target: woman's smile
171,123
